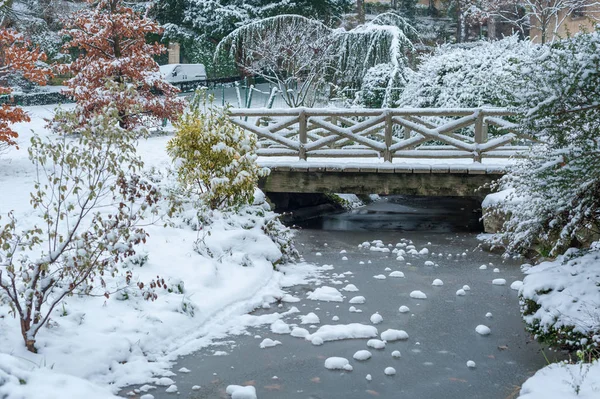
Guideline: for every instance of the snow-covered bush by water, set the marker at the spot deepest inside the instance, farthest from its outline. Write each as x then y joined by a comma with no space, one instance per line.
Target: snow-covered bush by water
558,183
560,300
215,159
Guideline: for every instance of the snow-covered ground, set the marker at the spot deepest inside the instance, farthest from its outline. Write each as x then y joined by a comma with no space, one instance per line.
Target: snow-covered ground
92,346
566,291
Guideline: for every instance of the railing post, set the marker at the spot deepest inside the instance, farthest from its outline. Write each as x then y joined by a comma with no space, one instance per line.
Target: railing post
480,134
387,154
302,135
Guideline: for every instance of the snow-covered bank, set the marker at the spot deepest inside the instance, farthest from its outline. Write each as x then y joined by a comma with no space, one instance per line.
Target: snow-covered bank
564,381
92,346
560,301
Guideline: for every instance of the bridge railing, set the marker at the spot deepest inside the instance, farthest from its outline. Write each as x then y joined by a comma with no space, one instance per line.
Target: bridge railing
383,133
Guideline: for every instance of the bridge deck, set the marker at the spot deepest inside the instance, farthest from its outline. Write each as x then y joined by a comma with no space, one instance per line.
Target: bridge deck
415,178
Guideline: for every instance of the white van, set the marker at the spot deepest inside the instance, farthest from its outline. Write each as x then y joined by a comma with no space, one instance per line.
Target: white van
181,73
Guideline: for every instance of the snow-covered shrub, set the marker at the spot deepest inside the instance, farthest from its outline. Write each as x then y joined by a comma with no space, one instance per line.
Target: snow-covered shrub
215,158
90,201
559,301
372,93
249,223
481,74
558,184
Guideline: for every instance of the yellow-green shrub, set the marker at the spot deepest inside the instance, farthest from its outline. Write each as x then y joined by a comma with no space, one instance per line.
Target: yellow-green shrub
215,158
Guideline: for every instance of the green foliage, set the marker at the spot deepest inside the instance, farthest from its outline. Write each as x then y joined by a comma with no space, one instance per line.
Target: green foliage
215,159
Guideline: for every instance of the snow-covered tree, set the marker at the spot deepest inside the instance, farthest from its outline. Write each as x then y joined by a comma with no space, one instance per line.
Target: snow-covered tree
90,201
39,21
198,25
290,51
17,57
556,200
113,52
361,52
546,17
480,74
215,19
467,13
298,54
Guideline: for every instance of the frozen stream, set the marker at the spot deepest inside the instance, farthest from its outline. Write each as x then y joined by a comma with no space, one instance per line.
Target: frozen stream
441,328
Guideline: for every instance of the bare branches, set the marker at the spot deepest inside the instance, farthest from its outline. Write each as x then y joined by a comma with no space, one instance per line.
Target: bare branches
301,55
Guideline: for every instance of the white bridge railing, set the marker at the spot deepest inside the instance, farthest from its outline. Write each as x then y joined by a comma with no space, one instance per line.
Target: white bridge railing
385,133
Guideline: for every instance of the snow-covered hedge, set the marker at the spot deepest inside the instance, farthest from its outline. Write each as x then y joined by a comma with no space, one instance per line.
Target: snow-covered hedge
559,181
480,74
560,300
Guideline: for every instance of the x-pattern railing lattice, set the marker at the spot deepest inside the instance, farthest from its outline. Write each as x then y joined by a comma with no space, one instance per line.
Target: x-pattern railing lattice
386,133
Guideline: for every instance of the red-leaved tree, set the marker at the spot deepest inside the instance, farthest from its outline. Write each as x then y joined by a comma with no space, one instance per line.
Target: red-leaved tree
116,65
17,56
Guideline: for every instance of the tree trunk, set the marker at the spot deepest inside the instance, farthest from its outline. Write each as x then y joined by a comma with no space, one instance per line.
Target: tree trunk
29,342
491,25
360,11
459,24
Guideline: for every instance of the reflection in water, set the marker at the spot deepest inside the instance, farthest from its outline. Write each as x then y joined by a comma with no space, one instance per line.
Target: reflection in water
402,213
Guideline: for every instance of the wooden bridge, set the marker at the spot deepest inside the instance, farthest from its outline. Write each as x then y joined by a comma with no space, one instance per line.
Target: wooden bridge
445,152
